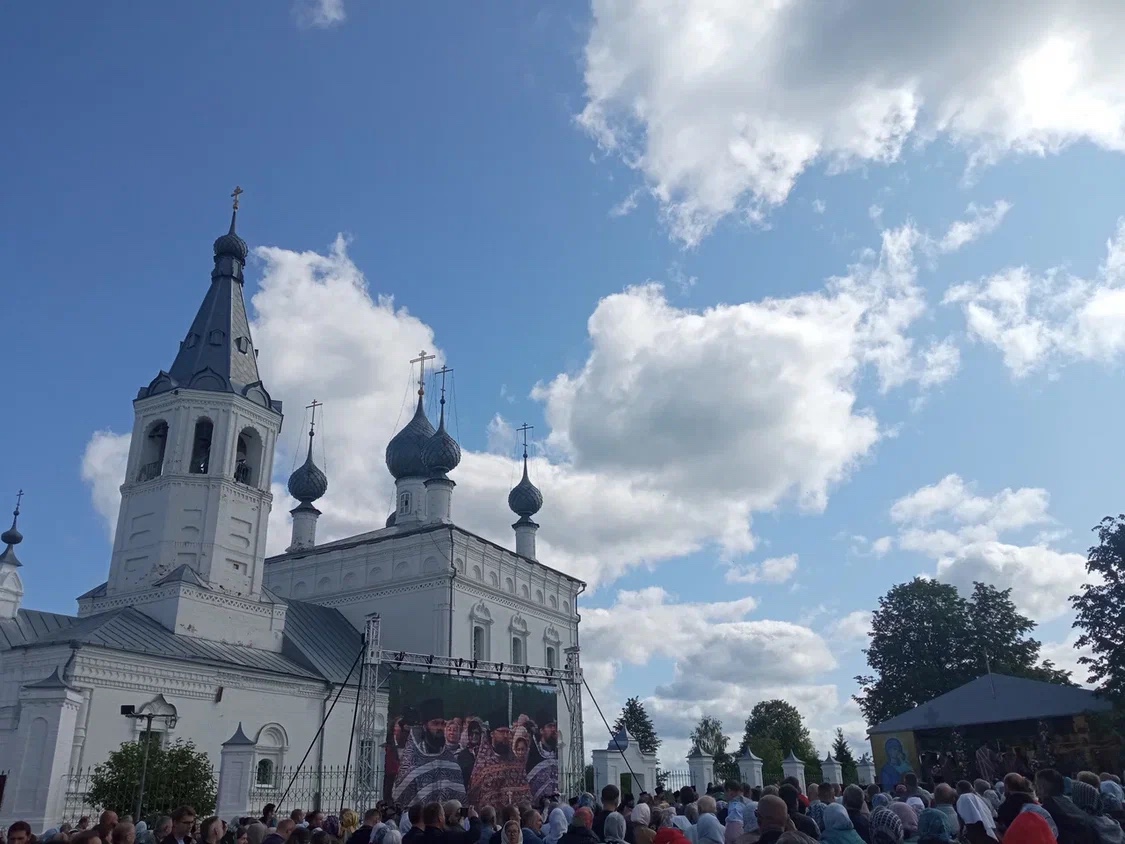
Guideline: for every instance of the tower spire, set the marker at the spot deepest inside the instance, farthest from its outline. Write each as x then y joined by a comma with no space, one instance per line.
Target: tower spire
12,536
11,587
307,483
525,500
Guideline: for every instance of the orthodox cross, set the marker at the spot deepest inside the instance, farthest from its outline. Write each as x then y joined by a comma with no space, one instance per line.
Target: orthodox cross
312,423
445,370
523,429
421,361
237,192
19,498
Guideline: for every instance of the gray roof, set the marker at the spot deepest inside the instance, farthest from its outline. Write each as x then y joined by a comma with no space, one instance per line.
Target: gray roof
319,643
217,355
525,499
181,574
53,682
994,699
239,738
792,757
96,592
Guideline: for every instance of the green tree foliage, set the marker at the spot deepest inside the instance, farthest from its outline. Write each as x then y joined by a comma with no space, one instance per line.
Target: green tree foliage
843,754
634,718
777,728
1100,609
177,775
927,640
708,736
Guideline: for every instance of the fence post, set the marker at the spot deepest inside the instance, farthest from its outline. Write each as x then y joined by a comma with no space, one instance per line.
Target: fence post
236,774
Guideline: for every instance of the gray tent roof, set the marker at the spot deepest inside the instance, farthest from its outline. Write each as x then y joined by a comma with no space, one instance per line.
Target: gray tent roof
994,699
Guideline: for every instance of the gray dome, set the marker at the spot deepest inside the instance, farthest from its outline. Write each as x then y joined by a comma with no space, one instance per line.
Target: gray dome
404,451
392,519
525,499
232,245
308,482
441,453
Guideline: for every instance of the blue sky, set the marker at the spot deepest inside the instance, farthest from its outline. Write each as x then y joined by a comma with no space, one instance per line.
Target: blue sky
499,170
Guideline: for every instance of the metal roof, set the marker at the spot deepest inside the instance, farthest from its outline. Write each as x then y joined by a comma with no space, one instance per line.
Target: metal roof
323,639
994,699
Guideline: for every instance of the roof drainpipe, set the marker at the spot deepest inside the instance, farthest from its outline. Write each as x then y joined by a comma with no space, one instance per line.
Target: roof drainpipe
452,577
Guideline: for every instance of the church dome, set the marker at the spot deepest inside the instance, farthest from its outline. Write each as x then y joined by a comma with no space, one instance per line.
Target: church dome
392,519
441,453
308,482
404,451
525,499
232,245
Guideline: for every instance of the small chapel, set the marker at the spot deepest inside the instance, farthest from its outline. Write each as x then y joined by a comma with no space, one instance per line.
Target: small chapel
196,627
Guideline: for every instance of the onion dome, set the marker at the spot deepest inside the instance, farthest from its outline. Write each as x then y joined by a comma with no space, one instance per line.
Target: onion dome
404,451
308,482
12,537
230,244
441,453
392,519
525,499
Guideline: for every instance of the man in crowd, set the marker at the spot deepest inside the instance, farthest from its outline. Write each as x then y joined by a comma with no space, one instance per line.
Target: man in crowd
433,822
791,797
611,796
280,835
772,816
417,828
363,835
183,819
854,803
106,823
736,809
19,833
580,831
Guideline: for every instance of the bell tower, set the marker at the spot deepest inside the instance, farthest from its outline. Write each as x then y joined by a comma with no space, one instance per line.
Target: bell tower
196,498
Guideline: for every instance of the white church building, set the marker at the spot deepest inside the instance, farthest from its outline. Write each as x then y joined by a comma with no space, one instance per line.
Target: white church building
195,623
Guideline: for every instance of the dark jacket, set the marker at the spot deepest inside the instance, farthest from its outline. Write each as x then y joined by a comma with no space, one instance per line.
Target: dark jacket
360,836
806,825
770,836
862,824
456,835
599,825
413,835
530,836
1013,802
272,838
578,834
1073,823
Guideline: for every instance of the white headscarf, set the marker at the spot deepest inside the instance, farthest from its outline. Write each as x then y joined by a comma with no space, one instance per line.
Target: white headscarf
709,830
972,809
641,814
556,826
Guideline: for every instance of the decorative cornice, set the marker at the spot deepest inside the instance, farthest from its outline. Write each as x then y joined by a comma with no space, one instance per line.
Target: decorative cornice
481,613
370,592
540,611
551,635
518,625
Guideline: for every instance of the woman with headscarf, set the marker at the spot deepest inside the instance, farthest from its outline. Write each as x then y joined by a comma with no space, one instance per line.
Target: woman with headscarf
1113,799
909,819
666,830
643,833
932,828
143,834
880,801
708,830
556,826
838,827
1029,828
976,815
917,804
1089,800
615,828
886,828
685,826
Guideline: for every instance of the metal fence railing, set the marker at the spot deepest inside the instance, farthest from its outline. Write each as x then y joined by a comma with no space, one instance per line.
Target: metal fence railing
675,779
87,793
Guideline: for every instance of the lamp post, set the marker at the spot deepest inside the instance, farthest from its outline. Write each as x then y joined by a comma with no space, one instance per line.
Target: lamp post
130,711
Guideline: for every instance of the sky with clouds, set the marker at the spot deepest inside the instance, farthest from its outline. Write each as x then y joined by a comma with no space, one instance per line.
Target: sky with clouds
802,301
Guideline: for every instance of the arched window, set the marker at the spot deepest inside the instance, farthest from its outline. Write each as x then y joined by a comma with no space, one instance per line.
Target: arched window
248,457
152,451
517,650
478,643
551,658
264,775
201,447
404,503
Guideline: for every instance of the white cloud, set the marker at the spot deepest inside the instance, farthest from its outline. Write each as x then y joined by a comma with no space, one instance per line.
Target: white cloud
1052,318
852,628
962,532
649,454
1065,654
626,206
981,221
103,468
722,105
881,545
322,14
773,570
819,206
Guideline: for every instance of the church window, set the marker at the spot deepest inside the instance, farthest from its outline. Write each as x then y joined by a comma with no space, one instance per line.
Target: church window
216,337
551,658
524,592
554,602
517,650
152,451
265,773
509,585
248,457
404,503
191,340
479,651
243,344
201,447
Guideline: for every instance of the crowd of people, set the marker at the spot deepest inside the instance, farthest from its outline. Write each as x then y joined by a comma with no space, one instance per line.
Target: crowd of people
1052,809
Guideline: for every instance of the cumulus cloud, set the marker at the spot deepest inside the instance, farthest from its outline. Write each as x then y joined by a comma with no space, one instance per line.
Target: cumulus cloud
962,531
773,570
103,468
1049,319
980,222
322,14
721,106
853,628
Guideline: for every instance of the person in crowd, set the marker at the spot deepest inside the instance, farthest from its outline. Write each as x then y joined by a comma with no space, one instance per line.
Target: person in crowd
908,818
124,833
932,828
1072,823
611,799
281,834
976,817
144,836
641,816
856,807
736,808
1088,798
1036,809
256,832
314,820
269,815
300,835
19,833
106,822
708,830
556,826
508,813
667,832
331,825
531,825
772,816
824,798
886,828
349,823
837,827
433,824
802,822
945,801
415,827
393,836
581,830
183,819
455,832
1017,794
298,817
512,833
210,831
910,780
1029,828
362,835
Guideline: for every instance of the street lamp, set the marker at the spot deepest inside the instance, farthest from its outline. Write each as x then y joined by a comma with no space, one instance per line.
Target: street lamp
130,711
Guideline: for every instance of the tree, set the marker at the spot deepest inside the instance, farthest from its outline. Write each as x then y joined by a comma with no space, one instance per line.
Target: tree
927,640
708,737
1100,609
843,754
779,723
176,775
635,719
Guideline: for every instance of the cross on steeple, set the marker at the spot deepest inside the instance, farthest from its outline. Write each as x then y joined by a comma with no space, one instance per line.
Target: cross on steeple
421,361
19,498
523,429
445,370
312,422
238,191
